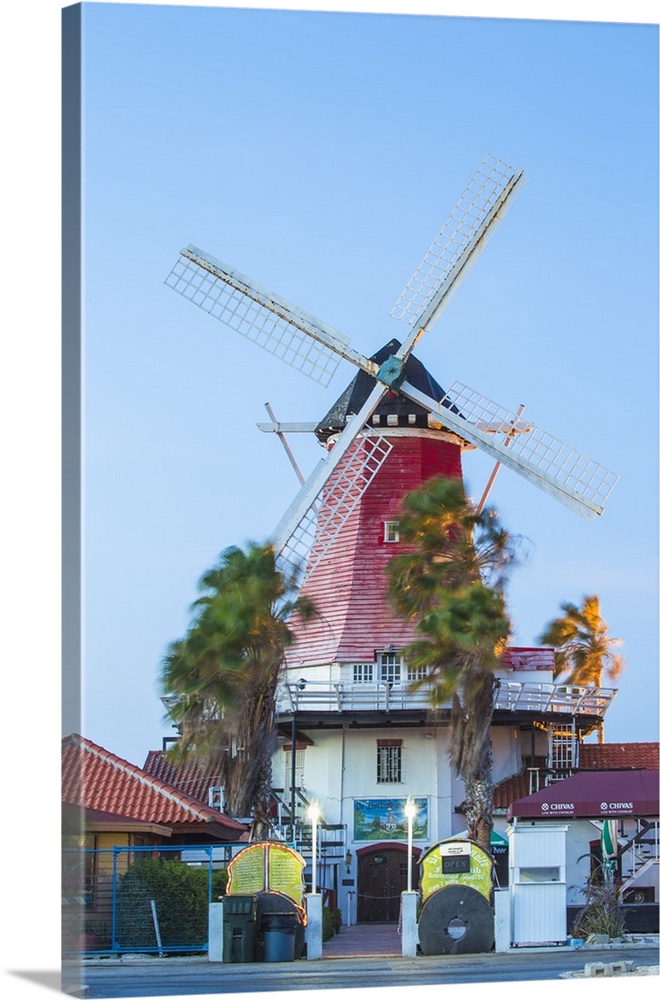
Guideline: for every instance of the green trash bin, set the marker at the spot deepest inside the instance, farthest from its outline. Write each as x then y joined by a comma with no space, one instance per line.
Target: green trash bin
239,928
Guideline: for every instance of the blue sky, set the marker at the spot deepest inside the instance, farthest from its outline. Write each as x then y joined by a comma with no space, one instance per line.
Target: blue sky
320,154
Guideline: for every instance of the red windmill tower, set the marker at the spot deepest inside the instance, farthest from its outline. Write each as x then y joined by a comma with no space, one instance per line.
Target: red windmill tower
348,584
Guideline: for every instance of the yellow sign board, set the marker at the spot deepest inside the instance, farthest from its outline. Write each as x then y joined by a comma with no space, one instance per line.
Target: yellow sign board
267,866
247,872
456,862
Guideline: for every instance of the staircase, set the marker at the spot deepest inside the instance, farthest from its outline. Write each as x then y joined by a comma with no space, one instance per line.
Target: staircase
332,836
640,854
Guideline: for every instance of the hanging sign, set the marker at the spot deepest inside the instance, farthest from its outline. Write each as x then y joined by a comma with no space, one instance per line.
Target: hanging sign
456,862
285,872
267,866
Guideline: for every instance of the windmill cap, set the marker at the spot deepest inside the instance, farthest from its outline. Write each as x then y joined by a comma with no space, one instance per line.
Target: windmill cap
392,404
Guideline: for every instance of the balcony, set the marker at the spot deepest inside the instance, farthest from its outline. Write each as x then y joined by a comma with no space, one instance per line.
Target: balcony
511,698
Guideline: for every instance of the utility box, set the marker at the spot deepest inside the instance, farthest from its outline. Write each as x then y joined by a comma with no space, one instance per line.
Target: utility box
239,925
537,883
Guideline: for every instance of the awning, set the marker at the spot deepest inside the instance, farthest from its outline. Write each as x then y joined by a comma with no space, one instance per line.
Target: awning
496,839
592,795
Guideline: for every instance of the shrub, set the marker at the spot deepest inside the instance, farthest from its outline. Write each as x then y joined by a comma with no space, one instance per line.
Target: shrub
327,924
180,893
602,912
336,920
219,881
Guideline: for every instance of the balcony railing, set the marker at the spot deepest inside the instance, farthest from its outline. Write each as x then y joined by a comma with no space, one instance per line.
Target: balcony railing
513,696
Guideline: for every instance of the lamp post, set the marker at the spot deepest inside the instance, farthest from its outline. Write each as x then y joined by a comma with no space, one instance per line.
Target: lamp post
299,686
314,812
409,935
313,900
410,809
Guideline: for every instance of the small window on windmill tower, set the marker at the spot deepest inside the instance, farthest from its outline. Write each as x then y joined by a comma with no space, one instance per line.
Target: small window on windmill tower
391,531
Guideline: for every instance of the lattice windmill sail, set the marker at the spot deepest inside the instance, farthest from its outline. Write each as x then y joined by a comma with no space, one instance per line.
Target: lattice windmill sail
306,343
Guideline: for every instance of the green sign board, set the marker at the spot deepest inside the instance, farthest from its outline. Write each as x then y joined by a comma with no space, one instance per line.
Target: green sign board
267,866
456,862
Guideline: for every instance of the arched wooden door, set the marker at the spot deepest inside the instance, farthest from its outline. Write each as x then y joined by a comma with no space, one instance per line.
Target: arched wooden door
382,877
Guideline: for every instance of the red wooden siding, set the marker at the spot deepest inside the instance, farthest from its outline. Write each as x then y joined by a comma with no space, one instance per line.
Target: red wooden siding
349,587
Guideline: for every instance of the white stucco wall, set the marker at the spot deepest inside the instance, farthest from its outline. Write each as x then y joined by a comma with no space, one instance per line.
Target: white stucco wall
341,767
507,753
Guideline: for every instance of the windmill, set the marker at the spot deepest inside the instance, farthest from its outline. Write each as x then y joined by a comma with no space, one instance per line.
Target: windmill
356,454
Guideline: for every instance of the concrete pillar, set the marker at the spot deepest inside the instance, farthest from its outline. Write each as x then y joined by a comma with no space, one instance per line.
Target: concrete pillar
314,929
502,919
409,938
216,936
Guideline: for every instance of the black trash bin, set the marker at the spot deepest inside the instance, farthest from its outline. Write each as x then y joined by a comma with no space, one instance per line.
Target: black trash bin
279,934
239,927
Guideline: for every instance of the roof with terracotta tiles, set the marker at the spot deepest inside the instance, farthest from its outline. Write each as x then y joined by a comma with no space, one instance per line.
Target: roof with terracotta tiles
619,756
189,777
510,790
528,658
96,779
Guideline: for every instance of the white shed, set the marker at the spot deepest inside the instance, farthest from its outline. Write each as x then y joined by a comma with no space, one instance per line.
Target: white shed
537,883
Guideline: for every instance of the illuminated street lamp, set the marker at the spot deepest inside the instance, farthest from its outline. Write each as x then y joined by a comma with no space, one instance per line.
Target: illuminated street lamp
314,812
410,809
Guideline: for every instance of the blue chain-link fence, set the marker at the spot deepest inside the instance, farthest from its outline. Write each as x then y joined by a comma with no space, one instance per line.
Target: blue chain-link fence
141,899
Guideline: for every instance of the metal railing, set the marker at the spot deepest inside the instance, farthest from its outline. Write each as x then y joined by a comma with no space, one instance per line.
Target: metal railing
640,853
518,696
120,899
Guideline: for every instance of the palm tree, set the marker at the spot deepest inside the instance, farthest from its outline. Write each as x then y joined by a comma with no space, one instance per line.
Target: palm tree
452,585
220,679
583,649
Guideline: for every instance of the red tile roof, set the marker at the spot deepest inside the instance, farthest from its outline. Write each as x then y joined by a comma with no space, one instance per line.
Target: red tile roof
99,780
510,790
189,777
619,756
528,658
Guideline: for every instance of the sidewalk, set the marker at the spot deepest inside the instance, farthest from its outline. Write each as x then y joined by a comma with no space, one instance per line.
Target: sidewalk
364,941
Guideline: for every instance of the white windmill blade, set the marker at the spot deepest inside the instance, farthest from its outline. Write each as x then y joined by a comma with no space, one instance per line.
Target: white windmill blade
341,492
267,319
296,539
456,247
569,476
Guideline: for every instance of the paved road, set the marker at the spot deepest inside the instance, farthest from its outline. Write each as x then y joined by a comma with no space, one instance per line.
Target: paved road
169,977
